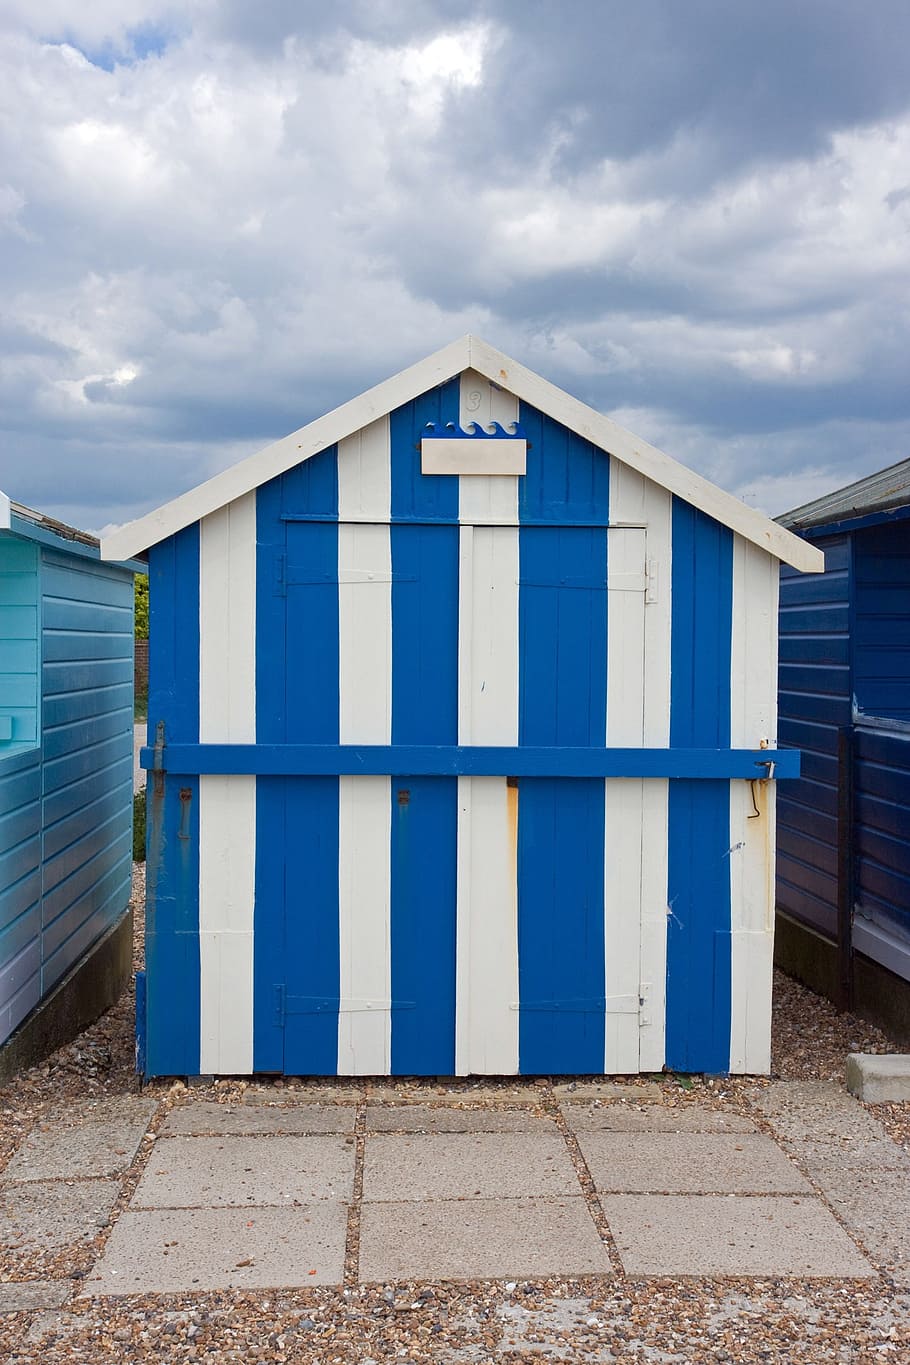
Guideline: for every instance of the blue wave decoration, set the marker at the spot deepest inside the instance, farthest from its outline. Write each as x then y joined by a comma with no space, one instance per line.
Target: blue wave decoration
495,431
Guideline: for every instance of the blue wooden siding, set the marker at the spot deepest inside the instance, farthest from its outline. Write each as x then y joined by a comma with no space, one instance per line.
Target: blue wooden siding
87,729
698,879
882,847
815,700
20,889
18,645
172,860
881,631
65,796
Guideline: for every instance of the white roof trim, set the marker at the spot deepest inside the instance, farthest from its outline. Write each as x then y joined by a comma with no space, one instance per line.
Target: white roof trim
5,521
466,353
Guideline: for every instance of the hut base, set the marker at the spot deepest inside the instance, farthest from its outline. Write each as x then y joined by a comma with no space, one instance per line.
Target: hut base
94,984
879,996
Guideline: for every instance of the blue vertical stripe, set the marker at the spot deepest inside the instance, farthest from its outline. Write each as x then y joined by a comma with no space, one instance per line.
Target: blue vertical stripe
424,809
562,701
416,496
567,480
296,970
698,935
269,948
172,854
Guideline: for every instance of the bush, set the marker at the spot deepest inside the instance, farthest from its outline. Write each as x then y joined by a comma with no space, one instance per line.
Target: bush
139,826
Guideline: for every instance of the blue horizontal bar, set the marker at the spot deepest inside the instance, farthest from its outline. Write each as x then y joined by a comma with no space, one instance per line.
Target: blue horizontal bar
428,760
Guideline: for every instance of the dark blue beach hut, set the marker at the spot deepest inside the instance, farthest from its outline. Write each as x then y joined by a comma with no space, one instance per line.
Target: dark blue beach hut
843,870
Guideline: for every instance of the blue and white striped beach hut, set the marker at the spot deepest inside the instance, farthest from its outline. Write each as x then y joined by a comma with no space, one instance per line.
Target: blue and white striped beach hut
461,721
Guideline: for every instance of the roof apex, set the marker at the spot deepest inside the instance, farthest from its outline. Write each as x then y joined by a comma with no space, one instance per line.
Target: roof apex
467,353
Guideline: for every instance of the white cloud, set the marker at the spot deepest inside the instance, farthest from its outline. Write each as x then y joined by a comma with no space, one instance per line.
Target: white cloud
208,247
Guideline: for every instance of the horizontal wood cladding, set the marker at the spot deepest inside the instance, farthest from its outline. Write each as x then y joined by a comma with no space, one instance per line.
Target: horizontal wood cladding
815,699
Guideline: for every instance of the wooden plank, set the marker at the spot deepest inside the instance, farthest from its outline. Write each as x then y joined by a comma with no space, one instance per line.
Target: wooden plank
364,881
365,716
492,500
624,800
474,456
753,718
472,760
227,803
486,1024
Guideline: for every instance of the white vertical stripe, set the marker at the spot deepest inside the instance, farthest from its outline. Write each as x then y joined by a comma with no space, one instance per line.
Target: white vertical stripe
635,817
657,506
364,634
227,805
486,500
365,717
753,719
364,877
486,1022
365,474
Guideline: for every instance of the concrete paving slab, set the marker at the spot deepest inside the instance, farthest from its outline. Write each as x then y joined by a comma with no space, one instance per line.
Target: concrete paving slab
719,1235
879,1079
652,1118
94,1141
634,1092
210,1117
466,1166
521,1092
779,1097
418,1118
826,1162
852,1123
27,1296
303,1094
167,1251
479,1239
214,1172
690,1163
875,1206
45,1214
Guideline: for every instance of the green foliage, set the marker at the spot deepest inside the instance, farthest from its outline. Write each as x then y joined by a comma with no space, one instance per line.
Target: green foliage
142,605
139,827
141,703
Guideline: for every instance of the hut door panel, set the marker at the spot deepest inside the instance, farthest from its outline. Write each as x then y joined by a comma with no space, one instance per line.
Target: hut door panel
462,924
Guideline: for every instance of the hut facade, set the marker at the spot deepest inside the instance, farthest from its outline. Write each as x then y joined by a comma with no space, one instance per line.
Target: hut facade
462,711
66,756
844,849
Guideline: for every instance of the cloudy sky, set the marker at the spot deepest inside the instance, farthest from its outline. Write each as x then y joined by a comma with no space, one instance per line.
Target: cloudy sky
220,219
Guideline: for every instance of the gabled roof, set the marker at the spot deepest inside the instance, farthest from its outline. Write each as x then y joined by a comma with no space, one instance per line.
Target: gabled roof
882,492
468,353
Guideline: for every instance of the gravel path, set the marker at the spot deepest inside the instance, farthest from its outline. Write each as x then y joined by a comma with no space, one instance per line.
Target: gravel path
592,1319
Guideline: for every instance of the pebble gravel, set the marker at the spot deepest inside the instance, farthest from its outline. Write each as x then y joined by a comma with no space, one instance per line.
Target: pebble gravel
593,1319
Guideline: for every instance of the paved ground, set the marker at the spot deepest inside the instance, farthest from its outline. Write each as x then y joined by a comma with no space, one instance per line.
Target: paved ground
304,1192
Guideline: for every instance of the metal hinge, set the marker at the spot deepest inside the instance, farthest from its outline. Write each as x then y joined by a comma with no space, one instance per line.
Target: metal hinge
632,581
644,1005
651,580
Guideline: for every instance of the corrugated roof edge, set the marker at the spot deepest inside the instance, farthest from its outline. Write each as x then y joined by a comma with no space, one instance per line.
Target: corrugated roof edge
467,353
883,491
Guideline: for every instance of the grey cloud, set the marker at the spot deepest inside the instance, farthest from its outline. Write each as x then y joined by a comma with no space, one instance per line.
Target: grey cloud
667,208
